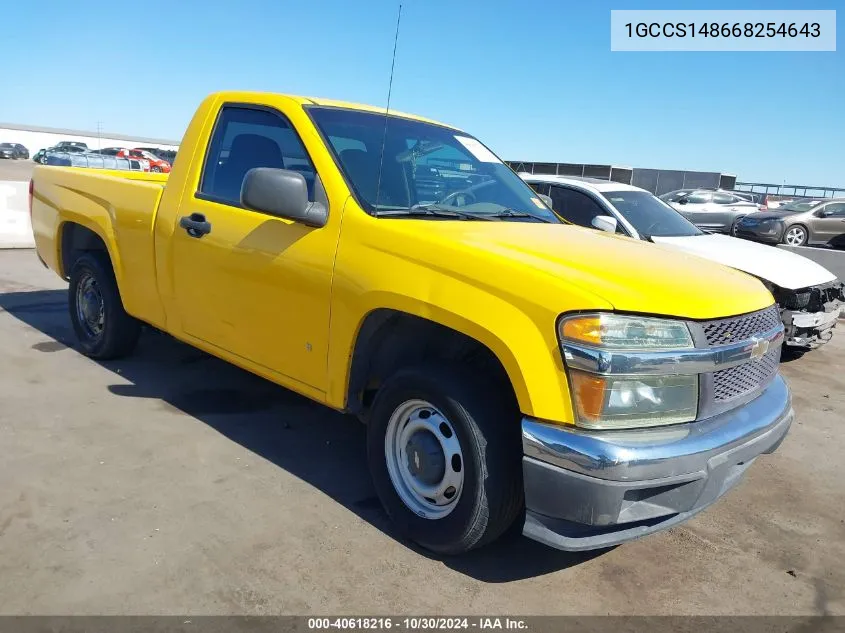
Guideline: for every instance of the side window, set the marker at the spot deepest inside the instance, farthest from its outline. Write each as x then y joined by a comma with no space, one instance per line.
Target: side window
245,138
835,209
575,207
699,197
725,198
540,187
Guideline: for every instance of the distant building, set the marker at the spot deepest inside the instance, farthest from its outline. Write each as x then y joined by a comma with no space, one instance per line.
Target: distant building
657,181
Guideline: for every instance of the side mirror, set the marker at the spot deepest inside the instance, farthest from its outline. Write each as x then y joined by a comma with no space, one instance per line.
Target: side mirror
283,193
546,199
821,213
605,223
682,201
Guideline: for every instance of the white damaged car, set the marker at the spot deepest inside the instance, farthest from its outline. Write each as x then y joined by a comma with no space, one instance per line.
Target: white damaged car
809,296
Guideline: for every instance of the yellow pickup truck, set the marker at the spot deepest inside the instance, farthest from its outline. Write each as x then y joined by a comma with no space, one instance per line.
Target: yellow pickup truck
587,389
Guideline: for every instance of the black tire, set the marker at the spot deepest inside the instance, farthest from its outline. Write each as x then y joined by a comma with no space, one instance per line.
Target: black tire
732,231
156,169
120,332
487,425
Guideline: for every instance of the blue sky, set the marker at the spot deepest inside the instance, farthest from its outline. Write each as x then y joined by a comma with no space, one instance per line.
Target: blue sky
533,80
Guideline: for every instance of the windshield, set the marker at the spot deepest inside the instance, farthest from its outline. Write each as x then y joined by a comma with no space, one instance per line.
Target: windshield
650,216
797,207
6,146
425,167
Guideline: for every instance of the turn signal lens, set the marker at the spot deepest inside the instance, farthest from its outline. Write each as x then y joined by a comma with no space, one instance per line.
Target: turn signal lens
618,331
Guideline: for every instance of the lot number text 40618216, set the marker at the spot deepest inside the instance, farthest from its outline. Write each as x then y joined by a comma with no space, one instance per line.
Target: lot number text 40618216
418,623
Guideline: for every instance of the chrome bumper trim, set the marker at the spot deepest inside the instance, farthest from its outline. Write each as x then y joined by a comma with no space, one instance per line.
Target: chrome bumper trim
681,361
656,452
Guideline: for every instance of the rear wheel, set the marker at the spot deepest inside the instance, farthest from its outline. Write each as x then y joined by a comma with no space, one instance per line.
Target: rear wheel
156,169
104,329
446,458
795,235
735,225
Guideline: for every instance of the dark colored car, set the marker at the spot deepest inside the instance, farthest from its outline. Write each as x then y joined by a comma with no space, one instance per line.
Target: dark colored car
13,151
63,146
798,223
41,155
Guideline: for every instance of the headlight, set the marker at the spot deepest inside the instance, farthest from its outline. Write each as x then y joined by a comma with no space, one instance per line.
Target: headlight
616,331
604,401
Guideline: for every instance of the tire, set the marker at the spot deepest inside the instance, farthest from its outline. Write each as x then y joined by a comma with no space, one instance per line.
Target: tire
795,235
115,333
156,170
732,231
487,429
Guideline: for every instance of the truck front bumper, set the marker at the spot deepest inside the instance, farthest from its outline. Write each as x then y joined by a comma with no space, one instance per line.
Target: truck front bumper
589,489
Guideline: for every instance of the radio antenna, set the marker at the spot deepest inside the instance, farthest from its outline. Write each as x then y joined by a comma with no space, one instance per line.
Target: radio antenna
387,109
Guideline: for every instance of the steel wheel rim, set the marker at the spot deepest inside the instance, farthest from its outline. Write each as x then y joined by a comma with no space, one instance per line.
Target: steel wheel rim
420,442
795,236
90,307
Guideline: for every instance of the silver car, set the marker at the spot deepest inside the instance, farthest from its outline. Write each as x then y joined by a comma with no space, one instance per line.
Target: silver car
798,223
709,209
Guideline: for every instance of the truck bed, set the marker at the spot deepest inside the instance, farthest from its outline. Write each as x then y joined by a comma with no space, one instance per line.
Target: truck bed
118,206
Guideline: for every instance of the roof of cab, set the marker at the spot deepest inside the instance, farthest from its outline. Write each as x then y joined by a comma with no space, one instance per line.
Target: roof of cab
334,103
238,95
594,184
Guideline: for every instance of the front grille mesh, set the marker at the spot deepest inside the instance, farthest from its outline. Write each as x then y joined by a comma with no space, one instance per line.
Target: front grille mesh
740,380
741,328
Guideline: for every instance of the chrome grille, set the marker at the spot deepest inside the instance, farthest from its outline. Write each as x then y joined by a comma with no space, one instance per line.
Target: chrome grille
741,328
743,379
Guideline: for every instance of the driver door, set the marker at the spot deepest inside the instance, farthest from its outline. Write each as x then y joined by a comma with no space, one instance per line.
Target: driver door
831,225
696,207
255,285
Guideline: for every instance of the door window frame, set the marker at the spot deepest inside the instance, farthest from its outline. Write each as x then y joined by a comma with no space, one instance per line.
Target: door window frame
607,207
200,195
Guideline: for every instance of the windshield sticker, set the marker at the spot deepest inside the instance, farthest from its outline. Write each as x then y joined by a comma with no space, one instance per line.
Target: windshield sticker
478,150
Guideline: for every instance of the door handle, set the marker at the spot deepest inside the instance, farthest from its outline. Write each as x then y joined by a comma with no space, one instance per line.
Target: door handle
195,224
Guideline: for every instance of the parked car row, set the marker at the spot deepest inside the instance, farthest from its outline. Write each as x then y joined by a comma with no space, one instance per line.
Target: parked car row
13,151
752,216
809,297
147,159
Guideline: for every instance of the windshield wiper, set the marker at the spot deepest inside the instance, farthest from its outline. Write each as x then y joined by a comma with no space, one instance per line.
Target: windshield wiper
510,213
430,210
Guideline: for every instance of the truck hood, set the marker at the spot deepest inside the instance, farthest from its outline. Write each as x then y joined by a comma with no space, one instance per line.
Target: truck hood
630,275
776,265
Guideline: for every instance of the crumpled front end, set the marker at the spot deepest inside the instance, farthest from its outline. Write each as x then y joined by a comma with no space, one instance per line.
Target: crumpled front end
810,314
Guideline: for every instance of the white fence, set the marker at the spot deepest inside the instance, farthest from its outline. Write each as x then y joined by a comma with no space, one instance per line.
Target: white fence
15,227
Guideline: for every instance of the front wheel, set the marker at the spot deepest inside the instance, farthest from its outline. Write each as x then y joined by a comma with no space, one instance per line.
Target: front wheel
735,225
156,170
103,327
795,235
445,455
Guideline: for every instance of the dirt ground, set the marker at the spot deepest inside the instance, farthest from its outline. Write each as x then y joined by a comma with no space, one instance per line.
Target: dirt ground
173,483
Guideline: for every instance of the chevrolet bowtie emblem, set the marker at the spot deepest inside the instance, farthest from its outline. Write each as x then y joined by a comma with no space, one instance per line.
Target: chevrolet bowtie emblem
759,347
